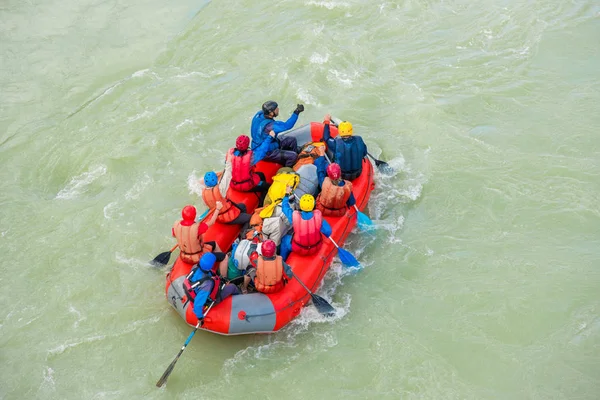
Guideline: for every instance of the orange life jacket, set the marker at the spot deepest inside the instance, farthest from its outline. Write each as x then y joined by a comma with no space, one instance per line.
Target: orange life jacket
309,153
243,177
269,275
307,233
228,213
255,229
191,246
332,199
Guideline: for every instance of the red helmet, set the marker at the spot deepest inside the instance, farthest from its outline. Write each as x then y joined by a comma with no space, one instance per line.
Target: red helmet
188,214
268,248
334,171
242,142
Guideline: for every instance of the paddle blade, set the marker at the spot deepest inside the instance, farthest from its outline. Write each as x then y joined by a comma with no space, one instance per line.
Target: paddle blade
347,259
162,259
165,376
200,218
364,222
384,167
322,305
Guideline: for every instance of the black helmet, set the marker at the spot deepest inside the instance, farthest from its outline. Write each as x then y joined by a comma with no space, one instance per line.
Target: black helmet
269,106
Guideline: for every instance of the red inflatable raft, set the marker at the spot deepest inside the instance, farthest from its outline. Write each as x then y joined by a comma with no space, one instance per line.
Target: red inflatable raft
266,313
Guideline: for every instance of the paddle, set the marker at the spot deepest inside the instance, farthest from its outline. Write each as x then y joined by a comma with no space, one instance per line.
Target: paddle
165,376
382,166
320,303
364,222
345,256
163,258
204,214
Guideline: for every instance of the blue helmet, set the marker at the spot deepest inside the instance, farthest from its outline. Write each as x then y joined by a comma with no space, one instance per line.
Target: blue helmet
210,179
207,261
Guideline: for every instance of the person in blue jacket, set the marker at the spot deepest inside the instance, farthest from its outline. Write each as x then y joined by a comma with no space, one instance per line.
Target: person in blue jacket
265,144
206,292
348,150
306,213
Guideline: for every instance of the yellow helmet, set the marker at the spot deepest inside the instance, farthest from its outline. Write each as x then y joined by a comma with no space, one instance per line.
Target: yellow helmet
345,128
307,202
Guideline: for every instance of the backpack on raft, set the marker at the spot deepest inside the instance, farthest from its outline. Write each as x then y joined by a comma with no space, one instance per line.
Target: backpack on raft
241,258
309,181
285,176
276,226
309,153
255,228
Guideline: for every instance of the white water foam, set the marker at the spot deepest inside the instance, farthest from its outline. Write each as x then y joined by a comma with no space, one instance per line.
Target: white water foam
80,318
131,261
48,381
108,210
137,189
195,184
184,123
330,5
345,78
78,184
132,326
317,58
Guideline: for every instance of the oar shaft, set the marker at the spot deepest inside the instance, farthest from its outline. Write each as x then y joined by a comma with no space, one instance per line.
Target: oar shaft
174,247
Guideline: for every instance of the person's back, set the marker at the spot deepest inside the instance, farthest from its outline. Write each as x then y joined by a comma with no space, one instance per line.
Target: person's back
189,236
308,225
211,194
348,150
203,287
336,193
243,177
272,273
333,197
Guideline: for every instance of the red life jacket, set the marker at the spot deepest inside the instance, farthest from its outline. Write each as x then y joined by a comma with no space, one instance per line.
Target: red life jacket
307,233
243,177
269,275
332,199
228,213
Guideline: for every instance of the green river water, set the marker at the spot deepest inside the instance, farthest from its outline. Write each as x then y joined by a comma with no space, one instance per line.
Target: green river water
482,280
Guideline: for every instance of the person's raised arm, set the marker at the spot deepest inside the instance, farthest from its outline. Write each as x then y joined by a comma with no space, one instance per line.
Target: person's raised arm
215,214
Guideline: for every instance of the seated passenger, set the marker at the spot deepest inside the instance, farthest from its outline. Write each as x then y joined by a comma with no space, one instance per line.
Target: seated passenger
203,287
215,191
243,255
336,193
271,273
348,151
264,130
243,176
308,225
189,236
